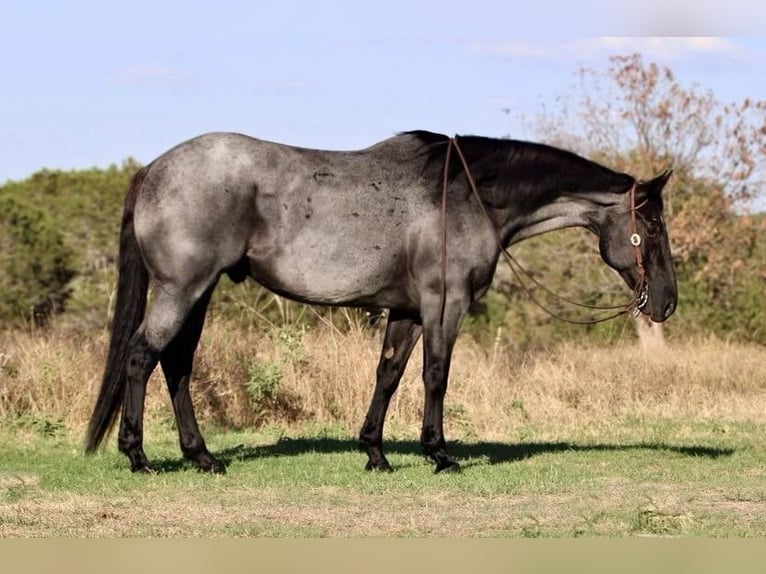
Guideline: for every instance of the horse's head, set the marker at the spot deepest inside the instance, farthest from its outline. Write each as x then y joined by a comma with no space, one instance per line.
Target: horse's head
634,241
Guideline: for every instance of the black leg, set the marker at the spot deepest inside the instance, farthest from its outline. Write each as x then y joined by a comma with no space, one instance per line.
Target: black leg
142,359
176,361
439,337
162,323
402,332
435,374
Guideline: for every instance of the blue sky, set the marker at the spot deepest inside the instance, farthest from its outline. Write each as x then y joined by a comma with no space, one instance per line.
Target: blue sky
87,84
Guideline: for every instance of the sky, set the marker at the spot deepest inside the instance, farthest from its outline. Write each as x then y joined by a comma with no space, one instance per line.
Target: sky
88,84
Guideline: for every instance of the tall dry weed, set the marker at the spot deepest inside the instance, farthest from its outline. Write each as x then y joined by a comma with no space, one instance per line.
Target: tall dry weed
289,375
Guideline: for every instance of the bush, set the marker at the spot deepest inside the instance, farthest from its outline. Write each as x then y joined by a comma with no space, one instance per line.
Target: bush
35,263
59,233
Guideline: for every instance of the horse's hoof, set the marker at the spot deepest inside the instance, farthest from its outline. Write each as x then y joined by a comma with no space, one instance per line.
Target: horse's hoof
143,469
215,467
381,466
207,463
448,467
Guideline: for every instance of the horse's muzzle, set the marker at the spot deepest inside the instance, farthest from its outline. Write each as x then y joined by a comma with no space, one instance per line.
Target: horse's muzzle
659,315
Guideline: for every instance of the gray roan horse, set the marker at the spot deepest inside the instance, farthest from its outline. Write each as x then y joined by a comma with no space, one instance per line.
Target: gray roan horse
353,228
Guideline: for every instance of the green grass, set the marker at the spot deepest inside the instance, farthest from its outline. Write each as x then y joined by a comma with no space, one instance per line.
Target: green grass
640,478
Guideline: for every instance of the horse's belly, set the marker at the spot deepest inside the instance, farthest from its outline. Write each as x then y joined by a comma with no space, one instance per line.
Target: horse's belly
338,274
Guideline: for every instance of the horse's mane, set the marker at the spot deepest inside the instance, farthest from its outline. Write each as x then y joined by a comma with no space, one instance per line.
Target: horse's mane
523,163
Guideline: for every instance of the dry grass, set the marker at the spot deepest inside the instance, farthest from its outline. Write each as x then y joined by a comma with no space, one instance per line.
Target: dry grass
608,509
273,512
244,378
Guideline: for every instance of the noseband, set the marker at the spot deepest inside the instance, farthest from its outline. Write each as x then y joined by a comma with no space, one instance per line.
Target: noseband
635,305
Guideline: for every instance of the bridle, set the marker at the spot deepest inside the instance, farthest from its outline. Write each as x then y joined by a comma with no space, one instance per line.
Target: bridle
634,305
639,292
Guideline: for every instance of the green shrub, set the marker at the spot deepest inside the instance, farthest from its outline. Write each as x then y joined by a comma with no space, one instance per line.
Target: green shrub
35,263
268,399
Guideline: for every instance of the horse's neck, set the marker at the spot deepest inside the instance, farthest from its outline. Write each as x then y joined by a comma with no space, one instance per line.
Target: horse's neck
535,188
575,210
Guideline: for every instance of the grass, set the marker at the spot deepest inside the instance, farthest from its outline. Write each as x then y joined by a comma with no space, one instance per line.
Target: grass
574,442
311,484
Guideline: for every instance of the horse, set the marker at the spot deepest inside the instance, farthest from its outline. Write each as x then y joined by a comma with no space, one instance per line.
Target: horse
402,225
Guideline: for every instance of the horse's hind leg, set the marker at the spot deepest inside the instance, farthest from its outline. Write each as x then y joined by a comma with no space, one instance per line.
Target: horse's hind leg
176,361
162,323
402,333
142,358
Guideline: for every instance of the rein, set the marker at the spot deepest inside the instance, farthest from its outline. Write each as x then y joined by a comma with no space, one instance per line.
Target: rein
634,305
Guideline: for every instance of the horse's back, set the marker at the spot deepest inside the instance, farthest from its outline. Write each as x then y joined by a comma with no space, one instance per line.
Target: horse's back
322,226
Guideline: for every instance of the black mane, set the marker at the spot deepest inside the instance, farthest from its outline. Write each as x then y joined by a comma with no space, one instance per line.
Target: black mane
521,167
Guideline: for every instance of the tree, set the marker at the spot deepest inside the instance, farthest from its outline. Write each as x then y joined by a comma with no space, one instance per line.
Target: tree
638,118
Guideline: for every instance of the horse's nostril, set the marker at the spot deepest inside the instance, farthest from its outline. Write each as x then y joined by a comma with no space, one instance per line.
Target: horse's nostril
669,309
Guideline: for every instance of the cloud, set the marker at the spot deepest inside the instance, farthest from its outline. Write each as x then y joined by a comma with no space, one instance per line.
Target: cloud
140,74
672,48
664,48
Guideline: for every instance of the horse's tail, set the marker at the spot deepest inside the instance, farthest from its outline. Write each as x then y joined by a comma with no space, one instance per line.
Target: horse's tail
132,287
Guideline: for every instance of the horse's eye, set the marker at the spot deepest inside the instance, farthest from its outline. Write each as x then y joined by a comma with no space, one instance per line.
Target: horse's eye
653,227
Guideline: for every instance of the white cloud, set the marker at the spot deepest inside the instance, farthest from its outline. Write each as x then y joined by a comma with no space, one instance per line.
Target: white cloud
672,47
666,48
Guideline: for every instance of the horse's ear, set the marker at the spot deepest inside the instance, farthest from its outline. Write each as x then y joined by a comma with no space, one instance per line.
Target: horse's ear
654,187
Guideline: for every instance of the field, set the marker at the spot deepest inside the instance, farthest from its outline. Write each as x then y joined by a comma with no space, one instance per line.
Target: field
568,442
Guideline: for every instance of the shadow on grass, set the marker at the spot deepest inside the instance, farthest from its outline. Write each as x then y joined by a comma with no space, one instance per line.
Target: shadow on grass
468,454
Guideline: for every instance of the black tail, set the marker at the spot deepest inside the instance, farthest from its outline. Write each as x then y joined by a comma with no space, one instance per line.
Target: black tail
132,287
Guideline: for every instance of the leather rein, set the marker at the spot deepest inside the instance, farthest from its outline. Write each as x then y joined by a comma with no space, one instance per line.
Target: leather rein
639,293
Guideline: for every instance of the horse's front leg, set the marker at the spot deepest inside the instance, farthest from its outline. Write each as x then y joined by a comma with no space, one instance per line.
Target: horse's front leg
402,332
438,341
